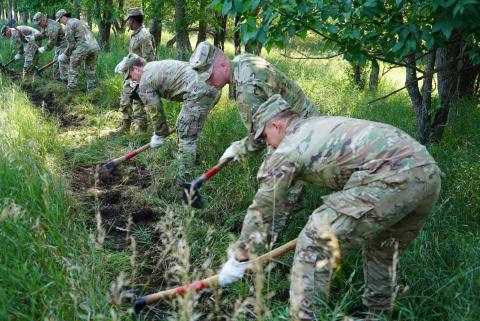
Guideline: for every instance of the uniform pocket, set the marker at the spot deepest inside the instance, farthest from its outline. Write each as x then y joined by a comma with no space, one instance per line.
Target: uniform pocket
354,202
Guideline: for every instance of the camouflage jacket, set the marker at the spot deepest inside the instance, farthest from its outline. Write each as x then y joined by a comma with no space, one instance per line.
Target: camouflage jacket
333,152
173,80
18,36
79,37
54,33
255,80
142,44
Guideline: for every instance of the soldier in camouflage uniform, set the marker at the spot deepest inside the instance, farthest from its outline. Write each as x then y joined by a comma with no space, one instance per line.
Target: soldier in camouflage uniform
52,31
24,37
82,47
385,184
142,44
176,81
254,80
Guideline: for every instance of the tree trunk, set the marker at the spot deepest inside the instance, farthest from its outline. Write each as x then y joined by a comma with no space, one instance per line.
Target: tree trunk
237,40
156,31
105,23
184,48
120,23
15,10
220,32
76,9
9,9
374,73
1,9
202,24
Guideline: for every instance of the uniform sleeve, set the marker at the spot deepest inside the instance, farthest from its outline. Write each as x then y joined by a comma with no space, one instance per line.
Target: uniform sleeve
19,43
52,37
69,36
267,214
249,97
150,97
148,51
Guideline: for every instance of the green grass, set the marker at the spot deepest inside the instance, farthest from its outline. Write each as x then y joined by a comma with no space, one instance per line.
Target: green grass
51,268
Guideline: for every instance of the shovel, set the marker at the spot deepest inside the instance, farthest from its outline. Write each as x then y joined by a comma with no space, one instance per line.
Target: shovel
190,194
41,69
115,162
3,67
212,281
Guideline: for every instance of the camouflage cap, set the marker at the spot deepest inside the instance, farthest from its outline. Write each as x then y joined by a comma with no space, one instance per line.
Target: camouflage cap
203,58
36,17
60,13
266,111
127,63
132,12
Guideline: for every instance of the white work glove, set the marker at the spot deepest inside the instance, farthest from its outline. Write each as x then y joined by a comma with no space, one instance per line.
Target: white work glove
232,271
233,151
17,56
119,69
41,49
63,57
156,141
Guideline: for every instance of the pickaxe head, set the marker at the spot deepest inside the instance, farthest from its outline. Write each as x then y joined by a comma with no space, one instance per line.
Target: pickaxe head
191,194
138,306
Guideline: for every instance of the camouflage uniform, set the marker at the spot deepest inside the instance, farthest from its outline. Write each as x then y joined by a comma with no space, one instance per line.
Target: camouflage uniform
386,183
177,81
141,44
25,46
82,47
55,34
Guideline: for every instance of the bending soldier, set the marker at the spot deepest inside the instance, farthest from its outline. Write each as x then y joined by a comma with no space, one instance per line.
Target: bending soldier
53,31
176,81
25,39
385,184
82,47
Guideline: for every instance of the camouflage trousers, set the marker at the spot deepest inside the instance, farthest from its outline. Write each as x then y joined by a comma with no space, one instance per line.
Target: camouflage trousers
132,108
31,56
60,68
87,57
381,217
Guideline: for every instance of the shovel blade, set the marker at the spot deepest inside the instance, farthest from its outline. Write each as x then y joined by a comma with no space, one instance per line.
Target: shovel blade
191,196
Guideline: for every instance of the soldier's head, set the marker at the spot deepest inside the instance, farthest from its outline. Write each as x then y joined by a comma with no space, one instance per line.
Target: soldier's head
135,17
132,65
40,19
211,64
62,16
6,31
271,120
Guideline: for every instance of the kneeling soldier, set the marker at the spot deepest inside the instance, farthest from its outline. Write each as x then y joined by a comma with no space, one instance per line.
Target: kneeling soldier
385,183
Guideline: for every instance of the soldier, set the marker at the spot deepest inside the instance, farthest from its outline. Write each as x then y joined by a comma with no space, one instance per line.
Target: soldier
82,47
25,39
176,81
254,80
52,31
141,44
386,185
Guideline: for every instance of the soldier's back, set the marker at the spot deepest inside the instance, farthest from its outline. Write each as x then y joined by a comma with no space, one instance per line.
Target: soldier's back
169,77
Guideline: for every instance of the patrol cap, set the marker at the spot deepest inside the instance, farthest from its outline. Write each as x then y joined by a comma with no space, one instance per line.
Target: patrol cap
128,62
203,58
36,17
132,12
266,111
60,13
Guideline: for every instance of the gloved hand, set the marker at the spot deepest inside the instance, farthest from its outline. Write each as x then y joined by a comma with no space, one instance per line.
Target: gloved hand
41,49
232,271
17,56
134,94
30,38
63,57
233,151
120,68
156,141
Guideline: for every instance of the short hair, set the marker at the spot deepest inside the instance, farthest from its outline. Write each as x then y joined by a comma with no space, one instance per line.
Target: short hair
283,115
138,62
138,19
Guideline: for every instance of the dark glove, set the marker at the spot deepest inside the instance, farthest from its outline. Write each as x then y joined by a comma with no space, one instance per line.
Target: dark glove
134,94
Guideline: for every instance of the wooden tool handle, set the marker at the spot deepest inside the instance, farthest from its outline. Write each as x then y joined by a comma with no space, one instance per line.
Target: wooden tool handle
213,280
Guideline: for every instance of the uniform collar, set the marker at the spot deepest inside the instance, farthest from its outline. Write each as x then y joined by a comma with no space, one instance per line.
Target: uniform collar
233,67
291,128
137,30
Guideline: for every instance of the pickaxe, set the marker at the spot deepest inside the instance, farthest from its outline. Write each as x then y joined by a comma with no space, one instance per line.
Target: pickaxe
2,66
41,69
190,193
212,281
117,161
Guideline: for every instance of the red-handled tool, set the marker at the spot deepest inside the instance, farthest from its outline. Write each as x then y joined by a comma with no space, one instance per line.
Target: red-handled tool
212,281
41,69
190,193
